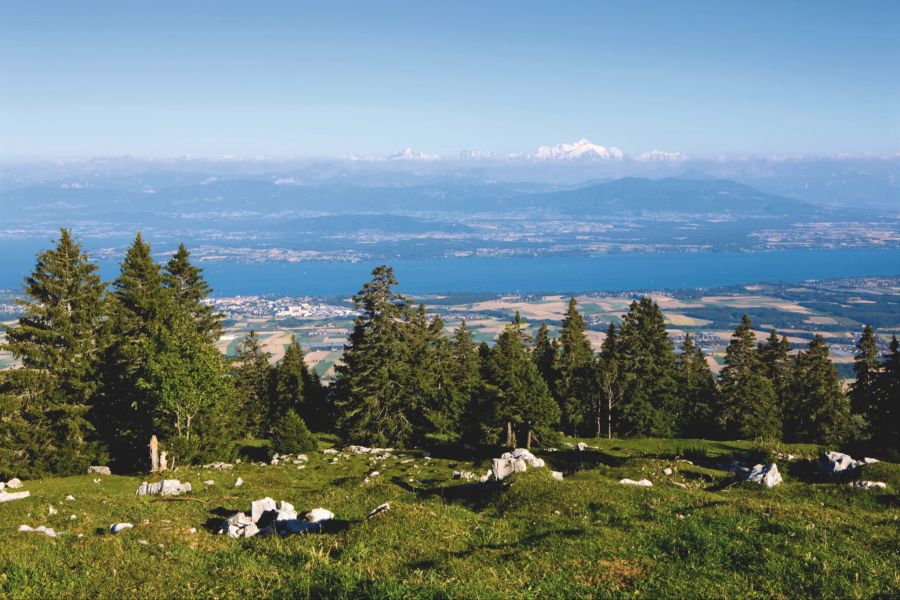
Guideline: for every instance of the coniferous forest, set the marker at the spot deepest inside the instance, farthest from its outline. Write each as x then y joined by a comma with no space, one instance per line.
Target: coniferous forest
105,365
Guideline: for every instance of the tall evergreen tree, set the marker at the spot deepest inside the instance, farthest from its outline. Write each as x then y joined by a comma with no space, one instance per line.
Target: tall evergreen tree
747,402
288,394
56,340
866,366
253,380
884,414
189,290
697,388
575,384
522,402
374,402
545,355
124,411
610,382
778,366
819,410
646,358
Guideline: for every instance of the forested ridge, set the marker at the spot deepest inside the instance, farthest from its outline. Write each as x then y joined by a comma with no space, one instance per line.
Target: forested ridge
107,365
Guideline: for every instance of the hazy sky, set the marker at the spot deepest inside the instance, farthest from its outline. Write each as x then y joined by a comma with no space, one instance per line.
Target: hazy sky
295,79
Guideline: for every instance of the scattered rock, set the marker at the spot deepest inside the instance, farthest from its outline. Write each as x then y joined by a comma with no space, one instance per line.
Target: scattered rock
209,483
268,516
51,510
667,471
837,464
2,485
96,480
45,530
117,527
379,509
868,485
166,487
329,451
870,461
319,514
14,483
556,475
516,461
466,475
219,466
239,482
73,517
260,507
766,475
641,483
99,470
8,496
70,497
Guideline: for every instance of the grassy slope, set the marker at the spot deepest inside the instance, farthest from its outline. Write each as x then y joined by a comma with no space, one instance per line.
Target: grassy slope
587,536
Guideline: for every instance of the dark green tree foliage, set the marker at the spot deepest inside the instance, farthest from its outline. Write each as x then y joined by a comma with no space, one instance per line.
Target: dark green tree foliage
291,436
465,366
522,405
545,355
575,387
124,411
778,367
253,380
188,290
819,411
747,402
57,342
375,403
646,359
885,427
697,390
288,394
444,383
192,398
320,413
866,366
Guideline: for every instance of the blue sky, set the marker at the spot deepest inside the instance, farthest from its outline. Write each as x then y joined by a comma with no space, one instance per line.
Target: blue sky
164,79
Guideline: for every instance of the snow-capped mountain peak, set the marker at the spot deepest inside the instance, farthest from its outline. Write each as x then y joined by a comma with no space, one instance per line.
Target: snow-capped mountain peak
583,148
660,155
408,154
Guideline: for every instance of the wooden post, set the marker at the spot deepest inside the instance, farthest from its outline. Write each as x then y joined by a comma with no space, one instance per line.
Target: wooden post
163,463
154,454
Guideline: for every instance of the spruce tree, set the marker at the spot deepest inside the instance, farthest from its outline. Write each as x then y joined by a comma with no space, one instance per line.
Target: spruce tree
819,411
866,366
545,355
253,380
575,384
522,403
57,340
374,404
124,411
778,366
189,290
884,414
288,395
646,359
747,402
697,388
609,382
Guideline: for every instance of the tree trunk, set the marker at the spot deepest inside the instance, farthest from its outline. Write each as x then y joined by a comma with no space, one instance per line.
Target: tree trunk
510,435
528,441
154,454
609,418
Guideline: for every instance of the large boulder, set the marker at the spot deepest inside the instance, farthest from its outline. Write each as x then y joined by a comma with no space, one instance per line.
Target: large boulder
504,467
766,475
838,465
99,470
166,487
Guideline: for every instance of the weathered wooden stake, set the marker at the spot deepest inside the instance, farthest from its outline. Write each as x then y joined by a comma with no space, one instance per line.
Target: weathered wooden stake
154,454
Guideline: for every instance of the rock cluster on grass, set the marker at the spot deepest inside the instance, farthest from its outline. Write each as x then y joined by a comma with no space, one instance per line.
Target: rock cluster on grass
99,470
268,516
766,475
839,466
45,530
868,485
219,466
516,461
166,487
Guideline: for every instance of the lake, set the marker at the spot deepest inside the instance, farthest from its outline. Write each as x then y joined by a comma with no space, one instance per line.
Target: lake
520,274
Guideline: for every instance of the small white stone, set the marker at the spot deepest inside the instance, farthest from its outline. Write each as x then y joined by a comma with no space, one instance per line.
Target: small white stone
117,527
239,482
667,471
70,497
51,510
641,483
14,483
319,514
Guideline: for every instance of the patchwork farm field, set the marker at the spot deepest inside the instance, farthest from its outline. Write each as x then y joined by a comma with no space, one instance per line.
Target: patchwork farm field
836,310
698,532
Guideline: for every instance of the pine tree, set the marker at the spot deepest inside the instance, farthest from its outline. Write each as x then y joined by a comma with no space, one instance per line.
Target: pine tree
545,355
866,366
253,380
819,411
777,366
124,412
289,377
697,388
522,402
57,339
747,402
575,385
884,419
374,406
189,291
647,362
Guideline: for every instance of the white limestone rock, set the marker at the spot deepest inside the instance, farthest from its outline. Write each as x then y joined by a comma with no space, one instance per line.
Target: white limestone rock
9,496
837,464
14,483
239,482
219,466
379,509
868,485
260,507
45,530
99,470
166,487
118,527
464,475
667,471
640,483
317,515
766,475
556,475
